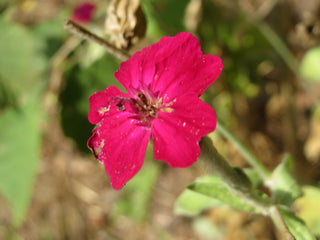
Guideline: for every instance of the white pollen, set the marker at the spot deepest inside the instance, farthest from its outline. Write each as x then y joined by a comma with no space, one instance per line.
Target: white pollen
104,109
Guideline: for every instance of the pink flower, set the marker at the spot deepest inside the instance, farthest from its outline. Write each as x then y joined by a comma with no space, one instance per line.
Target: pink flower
83,12
163,83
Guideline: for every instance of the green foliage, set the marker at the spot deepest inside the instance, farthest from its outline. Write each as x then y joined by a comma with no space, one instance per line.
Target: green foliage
19,156
50,34
244,47
22,64
209,191
191,203
153,28
308,208
284,191
5,1
254,177
21,68
284,187
216,188
309,68
169,14
295,225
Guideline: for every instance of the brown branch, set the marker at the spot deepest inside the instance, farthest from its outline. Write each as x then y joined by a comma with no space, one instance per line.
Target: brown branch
86,34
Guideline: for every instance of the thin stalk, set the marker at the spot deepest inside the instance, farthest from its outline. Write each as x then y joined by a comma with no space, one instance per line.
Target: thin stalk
250,158
270,35
86,34
278,45
279,222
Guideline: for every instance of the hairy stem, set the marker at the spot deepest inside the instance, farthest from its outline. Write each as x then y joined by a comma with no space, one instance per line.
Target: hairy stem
86,34
219,166
240,185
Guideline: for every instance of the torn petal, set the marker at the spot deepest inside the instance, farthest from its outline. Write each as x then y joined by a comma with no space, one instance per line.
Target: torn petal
104,103
120,144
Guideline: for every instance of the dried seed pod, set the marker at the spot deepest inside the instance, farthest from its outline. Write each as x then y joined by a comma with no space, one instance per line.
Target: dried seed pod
125,23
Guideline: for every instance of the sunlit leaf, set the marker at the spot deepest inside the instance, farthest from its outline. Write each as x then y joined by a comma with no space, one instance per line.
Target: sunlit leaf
308,208
253,177
215,188
284,187
295,225
169,14
19,156
191,203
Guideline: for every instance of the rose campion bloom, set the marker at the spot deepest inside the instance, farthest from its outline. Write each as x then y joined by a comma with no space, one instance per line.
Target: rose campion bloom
83,12
163,84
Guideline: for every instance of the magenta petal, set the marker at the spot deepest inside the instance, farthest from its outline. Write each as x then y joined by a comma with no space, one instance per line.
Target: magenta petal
103,103
191,114
172,146
170,67
176,134
137,72
121,146
192,72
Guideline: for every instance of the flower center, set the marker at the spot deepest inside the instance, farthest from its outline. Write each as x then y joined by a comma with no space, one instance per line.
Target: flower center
147,106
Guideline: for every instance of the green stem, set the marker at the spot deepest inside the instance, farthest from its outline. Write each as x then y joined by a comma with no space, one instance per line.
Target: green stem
238,183
250,158
220,167
278,45
271,36
279,222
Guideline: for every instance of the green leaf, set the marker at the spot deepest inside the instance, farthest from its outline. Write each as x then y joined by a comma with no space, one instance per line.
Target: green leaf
51,34
295,225
20,64
309,208
309,68
19,156
52,28
191,203
153,28
215,188
169,14
253,177
284,187
4,1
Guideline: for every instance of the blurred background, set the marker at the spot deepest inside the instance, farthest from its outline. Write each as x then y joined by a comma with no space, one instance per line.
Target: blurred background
51,187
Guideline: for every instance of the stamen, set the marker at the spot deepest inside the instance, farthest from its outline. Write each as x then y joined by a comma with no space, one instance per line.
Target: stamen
167,110
147,106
